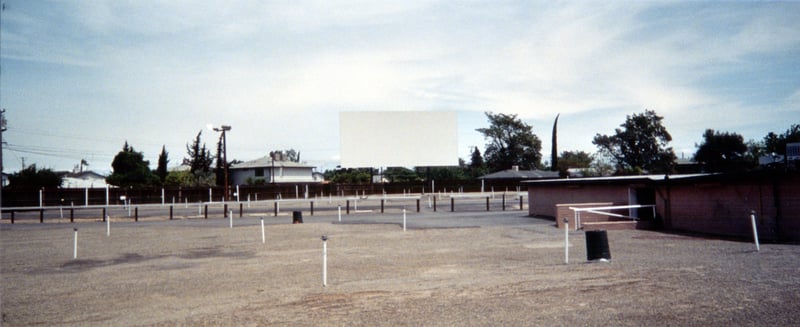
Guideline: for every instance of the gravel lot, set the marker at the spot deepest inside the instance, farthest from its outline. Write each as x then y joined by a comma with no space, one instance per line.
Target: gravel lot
468,269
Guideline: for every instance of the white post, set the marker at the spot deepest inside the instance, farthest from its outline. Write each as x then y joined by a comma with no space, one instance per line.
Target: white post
237,192
340,213
306,194
433,186
86,192
61,211
566,240
210,198
108,225
162,197
248,200
324,260
75,245
186,202
482,184
230,217
263,235
41,198
296,192
755,231
199,208
404,219
278,205
356,205
106,195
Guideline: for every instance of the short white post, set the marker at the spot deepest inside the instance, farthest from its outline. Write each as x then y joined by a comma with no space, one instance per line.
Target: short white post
106,195
404,219
210,198
566,240
263,235
230,217
340,213
296,192
86,192
61,212
108,225
41,198
162,197
755,230
75,245
199,208
324,260
237,193
248,200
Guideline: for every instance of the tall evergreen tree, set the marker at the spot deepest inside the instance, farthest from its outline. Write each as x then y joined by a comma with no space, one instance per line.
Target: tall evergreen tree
554,149
161,170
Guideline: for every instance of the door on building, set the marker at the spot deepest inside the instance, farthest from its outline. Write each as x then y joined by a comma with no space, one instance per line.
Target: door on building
644,196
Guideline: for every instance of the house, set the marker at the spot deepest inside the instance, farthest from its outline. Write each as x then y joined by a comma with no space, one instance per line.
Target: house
82,179
717,204
265,170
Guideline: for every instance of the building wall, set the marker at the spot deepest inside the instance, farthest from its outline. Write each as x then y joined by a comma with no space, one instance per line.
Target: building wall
542,199
725,208
709,207
282,175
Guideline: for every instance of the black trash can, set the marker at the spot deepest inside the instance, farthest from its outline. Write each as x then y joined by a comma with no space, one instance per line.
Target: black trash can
597,245
297,217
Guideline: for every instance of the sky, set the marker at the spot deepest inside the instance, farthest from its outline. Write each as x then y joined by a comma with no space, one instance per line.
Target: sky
80,78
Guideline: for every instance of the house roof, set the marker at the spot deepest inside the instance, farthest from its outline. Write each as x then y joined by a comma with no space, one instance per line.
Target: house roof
267,162
521,174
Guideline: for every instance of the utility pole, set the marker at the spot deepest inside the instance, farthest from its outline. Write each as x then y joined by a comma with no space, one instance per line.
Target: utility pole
2,129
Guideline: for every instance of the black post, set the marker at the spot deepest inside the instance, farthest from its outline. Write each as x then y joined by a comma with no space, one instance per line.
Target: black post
504,202
41,216
487,203
381,205
434,202
170,212
12,217
275,208
241,209
312,207
205,211
452,204
348,207
136,214
417,205
71,215
225,211
104,214
520,202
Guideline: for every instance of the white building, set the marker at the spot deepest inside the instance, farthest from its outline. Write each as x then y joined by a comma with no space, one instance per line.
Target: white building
265,170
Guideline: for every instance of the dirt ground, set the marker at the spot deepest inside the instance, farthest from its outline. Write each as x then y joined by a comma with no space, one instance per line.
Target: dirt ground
205,273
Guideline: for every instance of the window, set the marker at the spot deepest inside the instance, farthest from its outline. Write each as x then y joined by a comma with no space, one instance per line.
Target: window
259,172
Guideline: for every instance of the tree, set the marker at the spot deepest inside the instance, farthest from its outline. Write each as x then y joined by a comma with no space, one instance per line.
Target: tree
476,166
511,143
722,152
199,161
776,144
640,146
400,175
161,169
130,169
31,178
554,149
285,155
573,159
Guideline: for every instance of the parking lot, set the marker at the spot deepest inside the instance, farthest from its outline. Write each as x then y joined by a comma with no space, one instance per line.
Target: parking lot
468,267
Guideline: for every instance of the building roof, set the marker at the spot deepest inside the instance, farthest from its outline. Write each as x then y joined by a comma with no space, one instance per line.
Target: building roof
521,174
624,179
267,162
